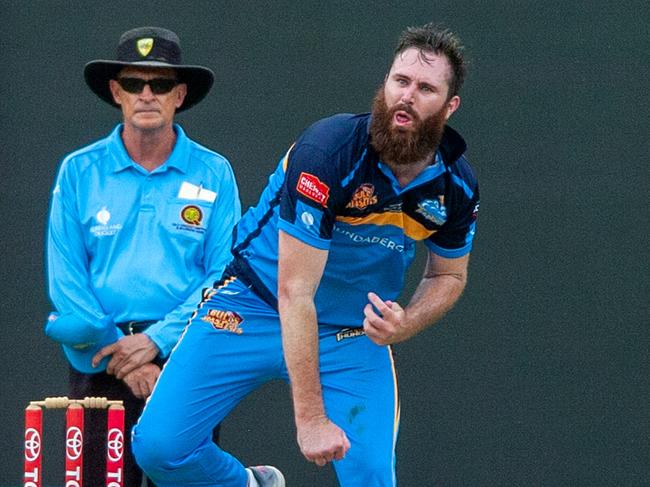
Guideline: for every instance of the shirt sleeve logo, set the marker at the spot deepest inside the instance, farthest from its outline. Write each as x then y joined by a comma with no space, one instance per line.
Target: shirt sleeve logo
192,215
313,188
363,197
434,211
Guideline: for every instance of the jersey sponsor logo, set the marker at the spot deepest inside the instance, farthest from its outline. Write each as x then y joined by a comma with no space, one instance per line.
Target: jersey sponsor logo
224,320
313,188
192,215
103,216
349,333
374,240
144,46
363,197
432,210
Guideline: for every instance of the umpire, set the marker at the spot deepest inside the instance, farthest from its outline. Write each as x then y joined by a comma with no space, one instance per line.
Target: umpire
140,223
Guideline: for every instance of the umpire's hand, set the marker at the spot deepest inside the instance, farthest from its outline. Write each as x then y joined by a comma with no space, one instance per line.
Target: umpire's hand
142,380
129,353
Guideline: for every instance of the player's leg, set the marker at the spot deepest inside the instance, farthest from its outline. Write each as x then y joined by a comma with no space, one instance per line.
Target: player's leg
360,393
230,348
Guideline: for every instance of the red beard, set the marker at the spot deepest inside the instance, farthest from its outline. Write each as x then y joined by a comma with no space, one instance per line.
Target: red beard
403,147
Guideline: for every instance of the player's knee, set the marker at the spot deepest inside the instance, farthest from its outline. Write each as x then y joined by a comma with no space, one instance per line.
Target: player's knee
153,451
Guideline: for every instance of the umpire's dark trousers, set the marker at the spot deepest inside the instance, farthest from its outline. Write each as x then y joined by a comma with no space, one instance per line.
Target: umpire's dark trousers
94,462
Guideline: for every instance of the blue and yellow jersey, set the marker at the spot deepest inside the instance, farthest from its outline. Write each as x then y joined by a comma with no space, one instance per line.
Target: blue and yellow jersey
332,191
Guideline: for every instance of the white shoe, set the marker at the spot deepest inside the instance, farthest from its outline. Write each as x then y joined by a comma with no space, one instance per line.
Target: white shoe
265,476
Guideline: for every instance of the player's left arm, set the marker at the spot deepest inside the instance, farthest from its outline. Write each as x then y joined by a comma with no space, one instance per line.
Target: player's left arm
442,284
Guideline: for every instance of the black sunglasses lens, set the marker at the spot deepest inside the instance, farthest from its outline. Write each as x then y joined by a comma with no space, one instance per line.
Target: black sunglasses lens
132,85
159,86
162,85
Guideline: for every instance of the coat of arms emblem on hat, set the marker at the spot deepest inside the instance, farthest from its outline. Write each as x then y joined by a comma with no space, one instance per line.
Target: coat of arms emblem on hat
145,45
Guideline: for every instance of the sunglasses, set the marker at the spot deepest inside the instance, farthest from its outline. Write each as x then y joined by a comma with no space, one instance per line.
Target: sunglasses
159,86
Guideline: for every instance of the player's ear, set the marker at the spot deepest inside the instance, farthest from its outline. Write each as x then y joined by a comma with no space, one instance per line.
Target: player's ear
115,91
452,105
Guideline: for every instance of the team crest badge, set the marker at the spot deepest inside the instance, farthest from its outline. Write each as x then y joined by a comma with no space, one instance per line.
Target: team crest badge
363,197
224,320
192,215
144,46
433,210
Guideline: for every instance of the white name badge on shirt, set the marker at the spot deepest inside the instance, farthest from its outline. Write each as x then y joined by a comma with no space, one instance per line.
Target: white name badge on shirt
191,191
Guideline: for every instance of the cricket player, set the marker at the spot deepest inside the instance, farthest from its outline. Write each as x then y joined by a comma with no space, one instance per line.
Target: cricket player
311,294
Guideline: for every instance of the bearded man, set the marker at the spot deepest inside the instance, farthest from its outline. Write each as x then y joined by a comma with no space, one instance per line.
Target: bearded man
310,296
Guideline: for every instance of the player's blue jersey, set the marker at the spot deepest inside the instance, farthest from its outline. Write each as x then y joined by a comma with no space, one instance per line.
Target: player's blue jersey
332,191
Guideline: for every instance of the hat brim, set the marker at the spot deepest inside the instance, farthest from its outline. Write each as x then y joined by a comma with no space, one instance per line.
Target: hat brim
199,79
81,341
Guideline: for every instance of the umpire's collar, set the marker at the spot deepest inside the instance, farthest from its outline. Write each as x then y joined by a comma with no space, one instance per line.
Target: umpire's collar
178,159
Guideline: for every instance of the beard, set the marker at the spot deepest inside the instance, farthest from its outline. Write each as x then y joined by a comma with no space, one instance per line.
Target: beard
404,146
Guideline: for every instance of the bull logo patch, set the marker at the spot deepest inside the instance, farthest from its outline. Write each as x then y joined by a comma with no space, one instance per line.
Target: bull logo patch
192,215
363,197
224,320
144,46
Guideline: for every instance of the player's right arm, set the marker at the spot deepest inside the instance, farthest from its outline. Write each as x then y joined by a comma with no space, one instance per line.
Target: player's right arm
300,268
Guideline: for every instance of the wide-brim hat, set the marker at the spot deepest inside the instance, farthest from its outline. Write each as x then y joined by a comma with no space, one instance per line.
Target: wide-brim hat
81,340
150,47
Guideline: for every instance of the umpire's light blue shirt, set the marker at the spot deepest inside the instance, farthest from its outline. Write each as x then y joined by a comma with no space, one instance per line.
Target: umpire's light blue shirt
125,244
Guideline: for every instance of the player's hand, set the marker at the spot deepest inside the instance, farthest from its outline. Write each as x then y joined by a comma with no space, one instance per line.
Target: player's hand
142,380
321,441
386,327
128,353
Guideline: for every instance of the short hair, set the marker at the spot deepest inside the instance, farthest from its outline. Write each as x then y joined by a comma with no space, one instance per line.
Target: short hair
440,40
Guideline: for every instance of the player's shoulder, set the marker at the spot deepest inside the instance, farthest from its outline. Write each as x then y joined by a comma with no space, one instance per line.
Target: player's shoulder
332,133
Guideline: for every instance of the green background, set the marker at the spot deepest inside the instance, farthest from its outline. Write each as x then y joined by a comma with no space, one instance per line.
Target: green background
539,376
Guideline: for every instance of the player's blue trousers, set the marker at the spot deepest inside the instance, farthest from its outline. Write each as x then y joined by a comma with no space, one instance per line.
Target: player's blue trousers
232,346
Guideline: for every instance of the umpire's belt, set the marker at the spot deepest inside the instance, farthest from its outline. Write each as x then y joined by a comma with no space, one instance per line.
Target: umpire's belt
133,327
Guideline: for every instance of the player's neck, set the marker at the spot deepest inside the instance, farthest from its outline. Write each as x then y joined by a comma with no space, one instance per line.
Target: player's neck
149,148
405,173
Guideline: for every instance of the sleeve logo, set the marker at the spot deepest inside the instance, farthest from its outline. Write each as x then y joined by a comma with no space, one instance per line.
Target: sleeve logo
313,188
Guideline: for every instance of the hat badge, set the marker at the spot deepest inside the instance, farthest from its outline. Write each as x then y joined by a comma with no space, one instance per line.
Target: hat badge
144,46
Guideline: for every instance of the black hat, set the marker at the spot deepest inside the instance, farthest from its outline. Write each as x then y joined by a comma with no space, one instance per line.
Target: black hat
151,47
